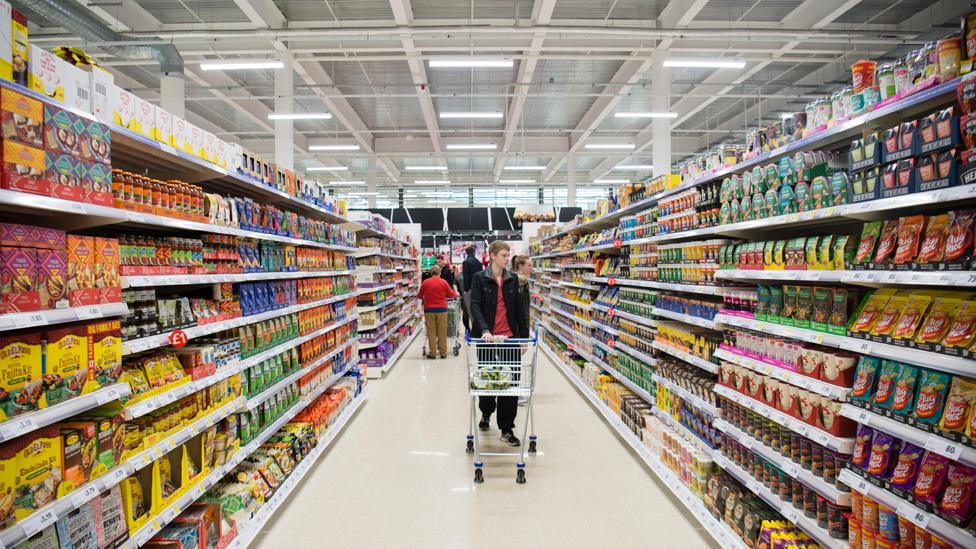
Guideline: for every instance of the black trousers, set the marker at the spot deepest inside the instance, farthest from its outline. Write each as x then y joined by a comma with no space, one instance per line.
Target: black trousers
507,409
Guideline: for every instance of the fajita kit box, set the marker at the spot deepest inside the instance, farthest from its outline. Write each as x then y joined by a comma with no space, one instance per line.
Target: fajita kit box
31,236
77,529
105,352
63,173
39,469
77,87
21,374
97,181
106,263
163,128
23,169
65,364
18,280
44,75
81,262
22,118
145,117
110,530
96,141
123,107
8,472
181,135
6,41
19,48
79,442
102,83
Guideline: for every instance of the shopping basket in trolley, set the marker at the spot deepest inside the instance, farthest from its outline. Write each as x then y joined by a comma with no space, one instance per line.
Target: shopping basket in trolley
453,323
501,367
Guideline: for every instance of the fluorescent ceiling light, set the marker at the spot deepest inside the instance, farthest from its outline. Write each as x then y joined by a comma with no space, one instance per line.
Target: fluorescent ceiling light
609,146
786,115
299,116
460,62
432,182
645,115
425,168
241,64
327,169
611,181
524,168
705,63
516,180
471,115
471,146
352,147
634,167
347,182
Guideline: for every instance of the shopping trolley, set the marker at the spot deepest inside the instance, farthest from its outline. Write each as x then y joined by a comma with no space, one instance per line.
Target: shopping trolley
501,367
453,323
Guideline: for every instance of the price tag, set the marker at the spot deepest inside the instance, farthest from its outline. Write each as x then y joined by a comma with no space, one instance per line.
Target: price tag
819,338
17,427
77,207
108,395
142,537
791,515
38,521
943,447
917,516
746,441
862,486
116,475
754,486
792,470
178,339
822,438
858,276
84,495
33,319
84,313
864,417
891,278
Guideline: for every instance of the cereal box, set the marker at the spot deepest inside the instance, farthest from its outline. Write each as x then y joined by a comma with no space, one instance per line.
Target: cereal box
145,117
123,107
106,262
22,118
65,363
163,130
96,141
97,180
18,280
64,175
52,277
23,169
39,471
44,75
79,442
81,262
102,83
105,352
21,374
6,41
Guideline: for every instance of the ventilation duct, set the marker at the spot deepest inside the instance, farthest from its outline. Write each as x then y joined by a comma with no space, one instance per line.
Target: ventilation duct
75,18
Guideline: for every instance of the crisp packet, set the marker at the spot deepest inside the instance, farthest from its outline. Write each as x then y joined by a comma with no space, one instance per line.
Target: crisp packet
959,404
861,455
932,389
931,475
957,501
884,448
906,467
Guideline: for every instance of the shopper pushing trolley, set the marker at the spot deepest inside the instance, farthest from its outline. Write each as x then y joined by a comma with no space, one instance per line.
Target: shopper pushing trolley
501,364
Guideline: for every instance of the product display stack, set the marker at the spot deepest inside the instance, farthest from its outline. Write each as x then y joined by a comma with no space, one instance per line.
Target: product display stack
388,278
179,320
784,331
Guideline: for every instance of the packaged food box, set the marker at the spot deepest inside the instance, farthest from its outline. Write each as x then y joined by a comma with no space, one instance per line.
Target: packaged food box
197,139
40,466
77,529
181,135
64,175
79,443
77,87
31,236
96,141
102,84
81,264
19,46
105,348
123,107
163,127
23,169
44,75
106,263
22,118
145,117
18,280
6,41
110,529
65,363
97,180
209,147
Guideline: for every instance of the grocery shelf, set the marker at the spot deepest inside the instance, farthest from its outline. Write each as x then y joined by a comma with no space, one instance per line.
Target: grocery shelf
686,395
609,350
370,345
646,359
366,270
162,340
595,248
580,286
569,302
367,252
643,320
955,535
371,289
687,319
718,530
558,335
25,423
567,266
690,288
935,361
835,392
843,445
379,305
34,319
150,404
929,441
634,388
785,464
964,279
182,280
373,372
687,357
258,520
604,327
572,317
792,514
258,399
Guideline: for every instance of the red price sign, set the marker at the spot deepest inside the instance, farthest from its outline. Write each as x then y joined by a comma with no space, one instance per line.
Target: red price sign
612,281
611,343
612,312
569,347
617,243
178,339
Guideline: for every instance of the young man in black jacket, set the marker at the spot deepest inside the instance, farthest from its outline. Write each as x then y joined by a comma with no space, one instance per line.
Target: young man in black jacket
469,267
496,310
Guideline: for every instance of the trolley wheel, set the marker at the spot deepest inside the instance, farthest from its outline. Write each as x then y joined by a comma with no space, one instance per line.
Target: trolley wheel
470,448
479,476
532,447
457,350
520,476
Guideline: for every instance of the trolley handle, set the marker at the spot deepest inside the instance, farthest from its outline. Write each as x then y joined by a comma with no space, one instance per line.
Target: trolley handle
533,339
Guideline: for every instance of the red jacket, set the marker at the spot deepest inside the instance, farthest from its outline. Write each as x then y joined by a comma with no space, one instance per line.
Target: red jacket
434,293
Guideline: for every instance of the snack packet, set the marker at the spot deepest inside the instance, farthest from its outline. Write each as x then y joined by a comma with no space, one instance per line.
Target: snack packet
864,379
957,501
939,319
906,467
887,242
962,329
933,244
911,317
861,455
932,389
844,250
869,313
902,404
884,448
867,242
909,237
931,475
889,318
959,404
959,238
884,393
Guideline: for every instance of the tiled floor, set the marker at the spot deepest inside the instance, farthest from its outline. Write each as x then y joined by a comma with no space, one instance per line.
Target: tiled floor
398,477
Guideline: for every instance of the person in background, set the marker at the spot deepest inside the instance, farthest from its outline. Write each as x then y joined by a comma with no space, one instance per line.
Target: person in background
446,272
496,310
433,295
470,267
522,266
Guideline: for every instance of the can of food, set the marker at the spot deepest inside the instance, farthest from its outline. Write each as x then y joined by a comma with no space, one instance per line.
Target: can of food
796,487
887,523
809,502
837,525
821,511
806,453
829,470
817,459
863,74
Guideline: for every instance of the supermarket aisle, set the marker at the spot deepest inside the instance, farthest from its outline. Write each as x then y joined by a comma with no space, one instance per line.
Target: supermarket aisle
399,477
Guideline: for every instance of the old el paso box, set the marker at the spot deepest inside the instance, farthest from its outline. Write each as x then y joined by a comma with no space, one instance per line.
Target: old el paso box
22,118
18,280
30,236
98,184
64,174
62,131
23,169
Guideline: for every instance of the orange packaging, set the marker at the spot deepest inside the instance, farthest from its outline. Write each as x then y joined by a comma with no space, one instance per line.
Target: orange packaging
81,262
52,275
23,169
912,315
909,238
106,262
22,118
863,74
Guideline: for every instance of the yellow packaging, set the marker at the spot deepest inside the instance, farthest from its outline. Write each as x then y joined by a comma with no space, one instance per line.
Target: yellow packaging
912,315
6,41
65,364
105,353
889,317
873,307
137,496
21,374
8,472
19,47
36,483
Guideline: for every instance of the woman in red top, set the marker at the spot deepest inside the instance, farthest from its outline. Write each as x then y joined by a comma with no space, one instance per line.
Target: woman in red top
433,294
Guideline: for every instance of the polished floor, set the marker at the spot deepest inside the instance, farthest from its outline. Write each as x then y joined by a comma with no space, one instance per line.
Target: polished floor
398,477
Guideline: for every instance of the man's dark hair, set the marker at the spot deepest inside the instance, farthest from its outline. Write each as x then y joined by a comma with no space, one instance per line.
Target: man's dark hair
469,250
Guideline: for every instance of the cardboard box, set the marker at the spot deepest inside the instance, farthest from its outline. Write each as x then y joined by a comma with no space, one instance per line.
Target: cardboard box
163,131
21,373
6,41
62,131
23,169
97,180
78,444
81,262
105,353
45,78
64,175
96,141
102,84
209,147
106,263
77,86
145,121
52,277
20,48
77,529
182,135
196,140
65,363
30,236
123,107
110,529
18,280
220,153
40,454
22,118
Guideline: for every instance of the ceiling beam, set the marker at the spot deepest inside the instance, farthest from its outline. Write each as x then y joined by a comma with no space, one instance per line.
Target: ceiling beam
124,16
263,13
541,15
678,14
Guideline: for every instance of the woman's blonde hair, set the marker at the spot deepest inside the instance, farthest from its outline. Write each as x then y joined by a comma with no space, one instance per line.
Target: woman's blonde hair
518,261
498,246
